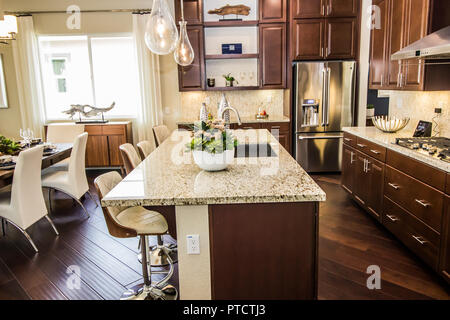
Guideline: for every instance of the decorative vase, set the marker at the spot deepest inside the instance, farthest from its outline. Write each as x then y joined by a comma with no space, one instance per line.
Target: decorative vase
213,161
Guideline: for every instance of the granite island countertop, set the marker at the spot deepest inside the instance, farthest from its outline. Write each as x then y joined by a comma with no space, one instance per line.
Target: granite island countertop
169,177
387,140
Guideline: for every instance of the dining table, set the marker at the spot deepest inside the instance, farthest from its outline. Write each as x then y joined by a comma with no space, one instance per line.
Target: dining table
61,152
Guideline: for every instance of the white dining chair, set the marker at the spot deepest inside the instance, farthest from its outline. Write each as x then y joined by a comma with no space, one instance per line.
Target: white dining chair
72,182
161,133
25,204
63,133
145,148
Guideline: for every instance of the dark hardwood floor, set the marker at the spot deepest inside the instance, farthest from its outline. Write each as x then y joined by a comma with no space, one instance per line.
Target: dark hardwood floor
350,241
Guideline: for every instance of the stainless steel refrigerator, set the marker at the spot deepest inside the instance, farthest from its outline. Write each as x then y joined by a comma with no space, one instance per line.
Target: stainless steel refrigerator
324,104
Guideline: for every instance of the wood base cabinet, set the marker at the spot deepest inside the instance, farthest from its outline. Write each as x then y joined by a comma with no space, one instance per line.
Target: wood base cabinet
445,244
410,198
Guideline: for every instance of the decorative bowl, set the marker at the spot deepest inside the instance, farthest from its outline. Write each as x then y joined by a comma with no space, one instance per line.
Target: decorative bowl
213,161
390,124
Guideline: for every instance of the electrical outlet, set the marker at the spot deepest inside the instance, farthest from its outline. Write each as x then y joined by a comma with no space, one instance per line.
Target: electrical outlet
193,244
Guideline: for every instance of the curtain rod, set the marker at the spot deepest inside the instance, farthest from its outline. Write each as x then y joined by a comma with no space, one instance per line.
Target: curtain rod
28,13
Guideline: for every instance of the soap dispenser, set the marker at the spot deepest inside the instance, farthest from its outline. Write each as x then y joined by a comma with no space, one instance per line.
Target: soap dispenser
203,113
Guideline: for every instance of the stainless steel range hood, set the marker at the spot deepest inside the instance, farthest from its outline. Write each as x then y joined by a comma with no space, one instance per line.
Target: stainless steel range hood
433,46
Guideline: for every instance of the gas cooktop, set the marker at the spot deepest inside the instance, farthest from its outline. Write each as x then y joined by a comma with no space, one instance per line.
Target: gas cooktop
435,147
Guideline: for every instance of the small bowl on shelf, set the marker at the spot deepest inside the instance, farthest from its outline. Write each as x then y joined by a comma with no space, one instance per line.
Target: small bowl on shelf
389,124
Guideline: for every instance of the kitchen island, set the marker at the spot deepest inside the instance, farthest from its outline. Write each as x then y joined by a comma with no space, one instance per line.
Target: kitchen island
257,220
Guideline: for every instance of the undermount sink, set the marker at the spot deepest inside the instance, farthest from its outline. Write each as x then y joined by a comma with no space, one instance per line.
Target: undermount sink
254,151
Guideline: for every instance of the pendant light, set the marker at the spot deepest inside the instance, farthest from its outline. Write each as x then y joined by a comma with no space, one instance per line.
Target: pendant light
161,34
184,54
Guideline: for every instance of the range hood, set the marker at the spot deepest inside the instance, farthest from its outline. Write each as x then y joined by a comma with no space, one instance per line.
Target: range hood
433,46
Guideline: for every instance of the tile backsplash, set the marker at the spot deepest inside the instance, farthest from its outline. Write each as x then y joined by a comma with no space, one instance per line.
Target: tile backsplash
246,102
420,106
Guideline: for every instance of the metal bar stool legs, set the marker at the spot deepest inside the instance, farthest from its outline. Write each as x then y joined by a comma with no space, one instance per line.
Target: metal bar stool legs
148,291
157,258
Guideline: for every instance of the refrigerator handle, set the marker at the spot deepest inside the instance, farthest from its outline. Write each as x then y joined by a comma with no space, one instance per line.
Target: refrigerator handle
328,95
352,93
324,96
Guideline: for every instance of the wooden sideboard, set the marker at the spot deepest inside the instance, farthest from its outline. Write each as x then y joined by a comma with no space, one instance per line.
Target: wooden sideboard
102,148
103,143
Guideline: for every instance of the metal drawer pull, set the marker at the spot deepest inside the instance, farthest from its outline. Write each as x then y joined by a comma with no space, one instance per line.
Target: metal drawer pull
395,186
375,151
393,218
361,145
419,240
423,203
352,160
347,139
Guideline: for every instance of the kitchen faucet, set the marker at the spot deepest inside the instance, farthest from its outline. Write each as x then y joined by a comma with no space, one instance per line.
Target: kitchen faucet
223,112
227,125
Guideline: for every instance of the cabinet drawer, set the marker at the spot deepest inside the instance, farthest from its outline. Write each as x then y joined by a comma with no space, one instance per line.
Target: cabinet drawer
114,130
282,126
372,149
417,236
419,170
423,201
93,130
350,139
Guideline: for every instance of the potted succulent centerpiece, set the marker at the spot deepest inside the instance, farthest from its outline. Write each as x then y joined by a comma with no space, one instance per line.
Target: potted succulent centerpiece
212,146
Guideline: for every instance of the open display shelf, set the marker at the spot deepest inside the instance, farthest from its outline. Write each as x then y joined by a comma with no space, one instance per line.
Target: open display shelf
225,23
232,56
262,63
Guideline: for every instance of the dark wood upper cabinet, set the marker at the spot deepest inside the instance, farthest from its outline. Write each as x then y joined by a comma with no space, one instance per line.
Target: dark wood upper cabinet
193,11
342,8
272,11
193,77
308,8
395,32
272,41
341,39
416,23
308,39
318,39
404,22
324,8
378,47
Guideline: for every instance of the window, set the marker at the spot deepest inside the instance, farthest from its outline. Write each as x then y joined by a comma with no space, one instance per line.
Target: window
89,70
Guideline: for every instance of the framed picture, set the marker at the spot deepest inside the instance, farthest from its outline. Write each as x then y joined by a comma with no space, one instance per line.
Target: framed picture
3,95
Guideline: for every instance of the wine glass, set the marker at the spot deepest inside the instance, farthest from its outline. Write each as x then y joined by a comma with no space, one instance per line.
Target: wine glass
26,135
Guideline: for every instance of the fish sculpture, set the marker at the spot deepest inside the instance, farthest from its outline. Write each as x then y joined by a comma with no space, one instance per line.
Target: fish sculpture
226,10
87,110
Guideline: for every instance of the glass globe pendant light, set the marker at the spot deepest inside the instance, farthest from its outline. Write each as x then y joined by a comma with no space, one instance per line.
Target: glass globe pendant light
161,34
184,54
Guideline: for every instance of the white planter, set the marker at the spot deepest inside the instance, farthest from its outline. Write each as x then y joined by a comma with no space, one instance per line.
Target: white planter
213,162
370,113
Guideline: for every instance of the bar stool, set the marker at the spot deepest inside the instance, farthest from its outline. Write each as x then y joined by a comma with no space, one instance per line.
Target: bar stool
137,221
131,160
161,133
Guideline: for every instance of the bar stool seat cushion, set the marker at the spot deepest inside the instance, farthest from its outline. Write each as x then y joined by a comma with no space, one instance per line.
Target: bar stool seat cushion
143,221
